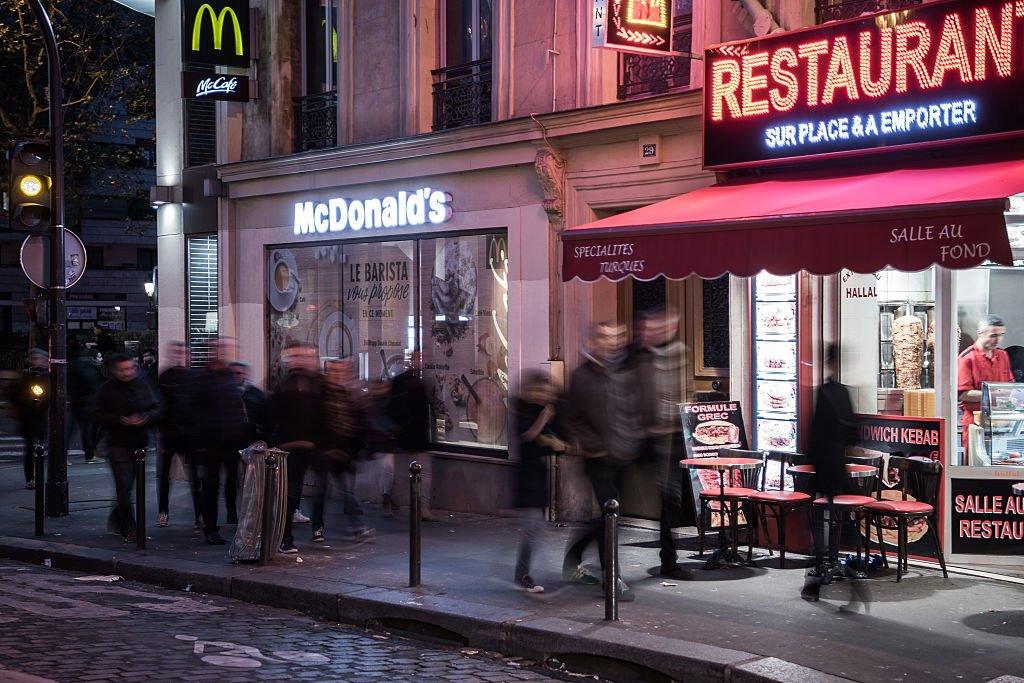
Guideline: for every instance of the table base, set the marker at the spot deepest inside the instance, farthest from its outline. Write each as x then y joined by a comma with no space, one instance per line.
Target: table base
834,570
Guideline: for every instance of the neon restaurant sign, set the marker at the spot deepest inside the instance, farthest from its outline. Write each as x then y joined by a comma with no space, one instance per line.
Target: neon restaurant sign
937,73
424,206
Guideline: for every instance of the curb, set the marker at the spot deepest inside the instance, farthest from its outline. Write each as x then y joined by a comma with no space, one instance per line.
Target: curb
599,647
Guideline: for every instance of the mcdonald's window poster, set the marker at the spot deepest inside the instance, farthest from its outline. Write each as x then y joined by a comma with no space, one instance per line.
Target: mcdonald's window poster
215,32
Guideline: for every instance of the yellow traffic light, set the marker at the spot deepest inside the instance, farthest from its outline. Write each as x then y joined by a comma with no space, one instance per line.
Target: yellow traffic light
37,390
30,185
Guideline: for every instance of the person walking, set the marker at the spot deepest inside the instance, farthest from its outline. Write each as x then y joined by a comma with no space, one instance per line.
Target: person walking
536,439
31,400
657,361
84,379
127,408
343,441
605,422
176,385
408,410
297,408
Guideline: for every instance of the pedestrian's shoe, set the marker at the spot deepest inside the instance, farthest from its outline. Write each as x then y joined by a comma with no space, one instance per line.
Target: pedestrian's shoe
130,537
94,461
288,548
529,585
30,484
318,535
364,535
200,525
388,505
161,519
674,571
425,514
214,538
299,518
624,592
232,517
580,575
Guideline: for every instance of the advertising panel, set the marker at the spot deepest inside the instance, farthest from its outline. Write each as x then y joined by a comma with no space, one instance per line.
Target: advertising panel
215,32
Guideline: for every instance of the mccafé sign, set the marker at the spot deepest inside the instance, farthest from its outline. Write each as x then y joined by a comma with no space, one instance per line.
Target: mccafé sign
937,73
215,32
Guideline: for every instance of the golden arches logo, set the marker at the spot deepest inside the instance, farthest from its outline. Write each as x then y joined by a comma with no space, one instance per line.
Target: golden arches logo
217,24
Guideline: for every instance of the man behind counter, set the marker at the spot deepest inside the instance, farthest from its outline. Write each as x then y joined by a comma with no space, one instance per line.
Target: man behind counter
984,361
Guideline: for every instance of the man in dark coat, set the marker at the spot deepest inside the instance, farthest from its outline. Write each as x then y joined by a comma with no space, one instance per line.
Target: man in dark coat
177,388
833,428
604,420
297,407
31,401
126,407
84,379
408,410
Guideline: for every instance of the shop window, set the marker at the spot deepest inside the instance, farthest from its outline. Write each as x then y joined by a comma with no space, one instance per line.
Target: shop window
202,300
316,112
891,369
712,333
359,299
462,87
145,259
644,76
833,10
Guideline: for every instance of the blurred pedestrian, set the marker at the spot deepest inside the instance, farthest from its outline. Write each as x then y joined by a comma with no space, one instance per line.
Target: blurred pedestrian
126,407
380,434
536,439
297,408
605,422
335,467
31,400
657,361
255,402
222,411
408,410
84,379
177,386
148,365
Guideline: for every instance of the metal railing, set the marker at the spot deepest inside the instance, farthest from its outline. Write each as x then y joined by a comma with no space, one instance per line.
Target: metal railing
646,75
462,94
316,121
833,10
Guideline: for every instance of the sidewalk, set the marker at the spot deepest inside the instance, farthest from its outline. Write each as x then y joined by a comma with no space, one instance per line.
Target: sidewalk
735,625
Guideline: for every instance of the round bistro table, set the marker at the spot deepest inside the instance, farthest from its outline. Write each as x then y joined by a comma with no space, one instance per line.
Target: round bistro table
829,570
724,555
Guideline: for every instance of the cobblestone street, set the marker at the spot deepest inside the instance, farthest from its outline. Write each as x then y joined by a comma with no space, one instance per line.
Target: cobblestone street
66,626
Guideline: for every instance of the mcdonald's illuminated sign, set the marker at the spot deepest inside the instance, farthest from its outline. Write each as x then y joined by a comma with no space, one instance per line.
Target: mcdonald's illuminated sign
215,32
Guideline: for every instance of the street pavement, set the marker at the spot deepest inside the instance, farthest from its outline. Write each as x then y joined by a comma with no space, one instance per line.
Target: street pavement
926,628
69,626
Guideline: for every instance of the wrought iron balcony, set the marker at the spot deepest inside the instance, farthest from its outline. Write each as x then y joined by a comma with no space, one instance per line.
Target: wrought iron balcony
832,10
462,94
644,76
316,121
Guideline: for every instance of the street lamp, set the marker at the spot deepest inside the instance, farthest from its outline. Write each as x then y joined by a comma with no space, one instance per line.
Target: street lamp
150,288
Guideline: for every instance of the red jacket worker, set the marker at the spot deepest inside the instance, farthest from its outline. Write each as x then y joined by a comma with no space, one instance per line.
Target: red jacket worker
982,362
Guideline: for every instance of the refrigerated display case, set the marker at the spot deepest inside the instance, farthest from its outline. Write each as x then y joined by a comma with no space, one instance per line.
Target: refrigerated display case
1002,419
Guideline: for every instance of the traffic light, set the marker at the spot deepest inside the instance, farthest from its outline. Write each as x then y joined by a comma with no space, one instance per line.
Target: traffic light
30,206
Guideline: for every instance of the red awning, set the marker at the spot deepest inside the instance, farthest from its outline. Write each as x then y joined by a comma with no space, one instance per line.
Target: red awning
909,218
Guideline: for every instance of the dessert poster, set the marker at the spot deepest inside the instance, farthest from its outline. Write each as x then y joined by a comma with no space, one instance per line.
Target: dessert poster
707,427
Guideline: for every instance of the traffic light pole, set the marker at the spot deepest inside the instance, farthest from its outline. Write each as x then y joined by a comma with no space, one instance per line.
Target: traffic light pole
57,473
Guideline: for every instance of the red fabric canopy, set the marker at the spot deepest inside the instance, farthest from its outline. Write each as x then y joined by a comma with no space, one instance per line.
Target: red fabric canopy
908,218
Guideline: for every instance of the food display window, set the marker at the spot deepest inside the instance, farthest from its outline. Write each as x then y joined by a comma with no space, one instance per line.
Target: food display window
775,391
1001,421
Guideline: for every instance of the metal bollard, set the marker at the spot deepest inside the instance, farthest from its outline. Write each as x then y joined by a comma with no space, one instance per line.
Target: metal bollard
414,523
39,456
611,560
140,498
267,521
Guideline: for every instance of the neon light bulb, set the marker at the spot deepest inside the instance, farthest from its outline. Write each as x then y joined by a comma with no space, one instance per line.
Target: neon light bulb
724,90
870,87
952,53
812,52
987,44
785,78
752,83
840,73
905,57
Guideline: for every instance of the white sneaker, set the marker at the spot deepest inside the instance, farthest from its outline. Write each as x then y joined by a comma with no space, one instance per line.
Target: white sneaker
161,519
299,518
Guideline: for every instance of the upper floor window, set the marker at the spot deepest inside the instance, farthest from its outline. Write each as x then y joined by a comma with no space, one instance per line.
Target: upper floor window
462,86
643,76
832,10
316,112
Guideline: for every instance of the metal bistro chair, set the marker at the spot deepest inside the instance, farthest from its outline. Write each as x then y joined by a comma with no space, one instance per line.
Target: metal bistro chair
859,493
924,477
735,497
775,504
